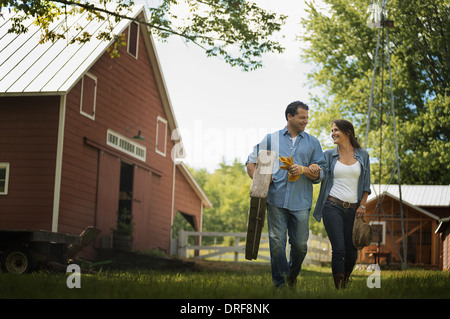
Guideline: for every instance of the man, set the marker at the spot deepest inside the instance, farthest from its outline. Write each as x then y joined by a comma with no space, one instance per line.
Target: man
289,203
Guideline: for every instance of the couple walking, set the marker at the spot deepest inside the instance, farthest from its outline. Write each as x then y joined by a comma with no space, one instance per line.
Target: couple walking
345,175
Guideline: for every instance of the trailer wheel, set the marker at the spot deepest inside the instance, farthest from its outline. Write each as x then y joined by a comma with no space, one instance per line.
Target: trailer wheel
18,260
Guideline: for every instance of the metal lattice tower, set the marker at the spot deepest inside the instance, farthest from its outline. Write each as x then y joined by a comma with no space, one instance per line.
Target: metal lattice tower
378,20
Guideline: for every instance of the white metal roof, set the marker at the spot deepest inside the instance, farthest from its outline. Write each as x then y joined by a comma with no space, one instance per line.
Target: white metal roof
28,67
417,195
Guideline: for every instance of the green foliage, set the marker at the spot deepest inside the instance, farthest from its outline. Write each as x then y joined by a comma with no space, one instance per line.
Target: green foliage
238,31
428,154
342,47
125,226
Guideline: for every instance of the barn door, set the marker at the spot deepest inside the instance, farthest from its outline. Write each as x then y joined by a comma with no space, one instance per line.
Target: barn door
107,203
142,235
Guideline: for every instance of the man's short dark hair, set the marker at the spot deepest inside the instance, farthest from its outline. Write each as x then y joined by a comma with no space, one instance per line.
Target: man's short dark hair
293,107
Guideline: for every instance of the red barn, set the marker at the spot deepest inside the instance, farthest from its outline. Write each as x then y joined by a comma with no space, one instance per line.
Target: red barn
86,138
444,231
426,211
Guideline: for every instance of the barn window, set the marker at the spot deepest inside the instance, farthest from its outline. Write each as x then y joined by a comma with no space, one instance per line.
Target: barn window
161,136
133,39
4,178
126,145
88,95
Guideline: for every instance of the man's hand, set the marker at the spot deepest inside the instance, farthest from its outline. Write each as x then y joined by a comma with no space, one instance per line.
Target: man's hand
296,170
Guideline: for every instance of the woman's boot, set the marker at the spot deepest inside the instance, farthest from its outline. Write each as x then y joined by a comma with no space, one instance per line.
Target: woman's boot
346,278
339,280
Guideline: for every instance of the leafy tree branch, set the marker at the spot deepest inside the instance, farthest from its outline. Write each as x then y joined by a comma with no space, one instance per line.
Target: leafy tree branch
236,30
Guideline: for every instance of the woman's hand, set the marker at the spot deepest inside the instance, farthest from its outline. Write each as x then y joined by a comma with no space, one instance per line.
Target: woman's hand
314,168
360,211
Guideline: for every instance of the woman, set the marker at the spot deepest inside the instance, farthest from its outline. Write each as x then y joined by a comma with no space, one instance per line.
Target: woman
343,194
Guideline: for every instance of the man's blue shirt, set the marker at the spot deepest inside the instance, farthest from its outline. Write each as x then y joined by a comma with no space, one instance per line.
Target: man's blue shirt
305,151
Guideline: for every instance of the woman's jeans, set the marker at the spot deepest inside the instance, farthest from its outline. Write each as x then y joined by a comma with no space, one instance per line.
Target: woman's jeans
338,222
296,223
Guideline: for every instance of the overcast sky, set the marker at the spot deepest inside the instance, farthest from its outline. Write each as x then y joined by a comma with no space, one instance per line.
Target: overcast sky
222,112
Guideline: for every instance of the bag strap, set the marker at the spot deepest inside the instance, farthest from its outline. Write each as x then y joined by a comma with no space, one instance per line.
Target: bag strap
269,144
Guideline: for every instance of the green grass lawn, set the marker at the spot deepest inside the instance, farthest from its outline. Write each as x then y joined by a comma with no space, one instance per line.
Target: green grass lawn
216,280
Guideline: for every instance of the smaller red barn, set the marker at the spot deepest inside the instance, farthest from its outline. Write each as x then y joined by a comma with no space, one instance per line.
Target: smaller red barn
443,230
424,209
85,140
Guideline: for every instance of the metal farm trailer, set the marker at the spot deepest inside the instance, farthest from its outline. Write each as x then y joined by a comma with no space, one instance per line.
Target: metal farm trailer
23,250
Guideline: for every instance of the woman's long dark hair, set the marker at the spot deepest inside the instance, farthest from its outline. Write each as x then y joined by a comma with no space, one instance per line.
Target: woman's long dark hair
347,127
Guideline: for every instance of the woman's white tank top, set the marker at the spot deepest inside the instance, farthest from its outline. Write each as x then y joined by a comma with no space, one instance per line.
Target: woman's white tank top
345,183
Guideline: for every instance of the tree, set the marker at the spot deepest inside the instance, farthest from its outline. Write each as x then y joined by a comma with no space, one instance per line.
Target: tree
228,189
236,30
341,45
428,135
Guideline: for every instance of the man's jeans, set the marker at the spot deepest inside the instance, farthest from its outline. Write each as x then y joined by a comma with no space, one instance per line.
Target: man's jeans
338,222
296,224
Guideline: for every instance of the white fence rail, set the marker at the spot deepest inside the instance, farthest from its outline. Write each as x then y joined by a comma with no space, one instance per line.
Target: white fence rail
319,248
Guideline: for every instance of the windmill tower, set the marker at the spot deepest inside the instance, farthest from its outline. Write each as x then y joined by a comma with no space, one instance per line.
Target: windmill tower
378,20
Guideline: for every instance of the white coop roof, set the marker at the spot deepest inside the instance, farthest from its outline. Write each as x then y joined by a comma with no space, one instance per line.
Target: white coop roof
417,195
